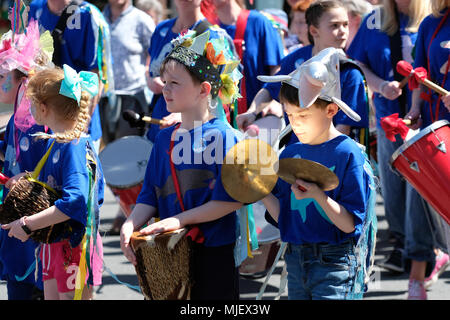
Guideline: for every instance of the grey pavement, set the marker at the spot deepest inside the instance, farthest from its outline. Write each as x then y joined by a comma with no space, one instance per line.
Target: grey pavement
384,286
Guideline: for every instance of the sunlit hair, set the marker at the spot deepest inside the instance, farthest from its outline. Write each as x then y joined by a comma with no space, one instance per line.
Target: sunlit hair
44,87
316,10
418,10
438,5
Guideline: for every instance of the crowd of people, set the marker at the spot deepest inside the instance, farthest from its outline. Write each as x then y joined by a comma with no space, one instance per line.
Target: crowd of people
327,68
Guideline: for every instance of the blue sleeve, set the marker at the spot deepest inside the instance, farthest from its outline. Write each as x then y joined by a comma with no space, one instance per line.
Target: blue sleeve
90,45
75,183
353,93
358,48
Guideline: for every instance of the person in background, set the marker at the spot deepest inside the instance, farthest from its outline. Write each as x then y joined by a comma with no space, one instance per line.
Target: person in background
432,53
153,8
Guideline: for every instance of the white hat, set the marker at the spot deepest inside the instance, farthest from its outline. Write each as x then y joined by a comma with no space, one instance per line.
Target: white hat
319,77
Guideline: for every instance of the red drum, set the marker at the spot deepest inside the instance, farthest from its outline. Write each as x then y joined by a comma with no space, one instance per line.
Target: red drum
124,162
424,160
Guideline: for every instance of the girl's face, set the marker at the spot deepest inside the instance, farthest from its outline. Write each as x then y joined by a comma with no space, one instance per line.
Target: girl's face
310,125
299,27
8,87
180,91
332,30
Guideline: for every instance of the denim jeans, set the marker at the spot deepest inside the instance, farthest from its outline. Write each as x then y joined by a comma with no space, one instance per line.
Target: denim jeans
320,271
393,187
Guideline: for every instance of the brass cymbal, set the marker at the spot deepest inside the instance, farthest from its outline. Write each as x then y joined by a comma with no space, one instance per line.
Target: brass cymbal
248,173
290,169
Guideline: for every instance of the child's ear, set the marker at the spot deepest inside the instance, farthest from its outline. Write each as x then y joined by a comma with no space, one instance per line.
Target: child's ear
205,89
332,109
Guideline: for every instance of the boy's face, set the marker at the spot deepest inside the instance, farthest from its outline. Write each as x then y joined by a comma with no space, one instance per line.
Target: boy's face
310,125
180,91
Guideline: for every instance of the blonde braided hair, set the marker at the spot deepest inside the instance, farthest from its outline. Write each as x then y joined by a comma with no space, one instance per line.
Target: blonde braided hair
44,87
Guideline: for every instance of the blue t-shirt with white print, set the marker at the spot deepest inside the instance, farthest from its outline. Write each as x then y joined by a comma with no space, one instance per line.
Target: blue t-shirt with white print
353,91
66,171
371,46
197,156
304,221
17,256
79,49
439,53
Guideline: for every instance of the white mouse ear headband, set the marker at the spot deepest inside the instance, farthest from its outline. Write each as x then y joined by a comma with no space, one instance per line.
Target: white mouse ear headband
317,78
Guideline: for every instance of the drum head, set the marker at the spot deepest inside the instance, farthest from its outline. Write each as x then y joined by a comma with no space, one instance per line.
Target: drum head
124,161
269,128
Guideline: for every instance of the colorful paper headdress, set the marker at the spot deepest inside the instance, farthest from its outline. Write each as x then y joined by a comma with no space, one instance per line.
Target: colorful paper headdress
319,77
211,61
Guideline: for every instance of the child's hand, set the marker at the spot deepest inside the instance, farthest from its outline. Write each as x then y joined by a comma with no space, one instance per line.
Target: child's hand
446,101
13,180
170,120
304,190
169,224
125,234
15,230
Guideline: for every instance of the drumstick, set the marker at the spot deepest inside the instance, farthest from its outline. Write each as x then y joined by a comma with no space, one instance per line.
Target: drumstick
151,120
420,74
404,81
134,117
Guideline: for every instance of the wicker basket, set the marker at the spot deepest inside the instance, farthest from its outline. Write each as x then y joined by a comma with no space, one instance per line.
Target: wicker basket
28,197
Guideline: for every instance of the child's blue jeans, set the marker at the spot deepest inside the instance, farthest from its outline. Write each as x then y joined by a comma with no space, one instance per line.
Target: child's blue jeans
320,271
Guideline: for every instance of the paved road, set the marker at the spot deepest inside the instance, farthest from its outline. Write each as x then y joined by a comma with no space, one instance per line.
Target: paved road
384,286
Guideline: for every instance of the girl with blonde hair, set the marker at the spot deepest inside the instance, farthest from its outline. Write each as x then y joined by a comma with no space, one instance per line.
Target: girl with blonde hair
60,100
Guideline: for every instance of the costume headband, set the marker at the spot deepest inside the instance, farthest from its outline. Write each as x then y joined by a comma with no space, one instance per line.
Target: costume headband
319,77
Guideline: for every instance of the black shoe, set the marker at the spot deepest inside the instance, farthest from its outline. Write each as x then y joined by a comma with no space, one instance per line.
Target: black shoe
394,262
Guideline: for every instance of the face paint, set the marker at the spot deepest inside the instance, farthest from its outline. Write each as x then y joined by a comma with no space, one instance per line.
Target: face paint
7,85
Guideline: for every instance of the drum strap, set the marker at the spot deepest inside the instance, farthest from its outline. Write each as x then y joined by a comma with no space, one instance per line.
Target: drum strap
194,232
239,43
436,112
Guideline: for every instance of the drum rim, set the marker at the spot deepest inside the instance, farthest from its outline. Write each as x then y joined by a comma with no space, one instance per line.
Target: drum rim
417,137
124,186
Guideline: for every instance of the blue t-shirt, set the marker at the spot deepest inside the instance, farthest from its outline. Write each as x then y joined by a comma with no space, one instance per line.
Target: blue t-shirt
371,46
79,49
17,256
440,53
160,47
66,171
304,221
353,91
263,48
198,155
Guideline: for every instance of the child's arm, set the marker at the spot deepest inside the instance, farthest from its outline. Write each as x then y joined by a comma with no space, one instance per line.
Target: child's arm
210,211
34,222
272,205
337,213
140,215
